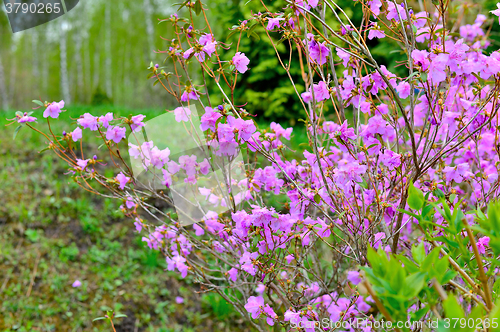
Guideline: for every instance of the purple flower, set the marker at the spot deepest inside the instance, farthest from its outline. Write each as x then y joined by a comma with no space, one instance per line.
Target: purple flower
273,23
318,52
26,118
179,300
403,89
76,134
76,284
189,95
182,114
53,109
88,121
255,306
82,163
457,173
390,159
137,122
122,180
353,277
483,242
270,315
116,134
209,119
138,225
375,33
105,119
233,274
241,62
496,12
198,230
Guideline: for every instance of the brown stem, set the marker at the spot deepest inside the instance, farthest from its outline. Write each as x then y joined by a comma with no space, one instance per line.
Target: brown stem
482,276
379,304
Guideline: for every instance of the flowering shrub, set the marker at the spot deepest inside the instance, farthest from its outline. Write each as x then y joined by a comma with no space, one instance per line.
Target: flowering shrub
386,213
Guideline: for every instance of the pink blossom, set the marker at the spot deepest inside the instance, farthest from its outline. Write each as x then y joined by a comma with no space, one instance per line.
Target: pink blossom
25,118
496,12
116,134
88,121
255,306
53,109
76,134
137,122
403,89
76,284
273,23
375,33
182,114
482,243
179,300
105,119
353,277
240,61
122,180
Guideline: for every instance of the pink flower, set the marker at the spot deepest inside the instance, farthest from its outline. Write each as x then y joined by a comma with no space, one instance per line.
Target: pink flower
353,277
182,114
270,315
483,242
273,23
116,134
390,159
76,284
209,119
76,134
137,122
403,89
375,6
496,12
105,119
138,225
375,33
233,274
82,163
457,173
318,52
198,230
88,121
26,118
255,306
122,180
53,109
241,62
179,300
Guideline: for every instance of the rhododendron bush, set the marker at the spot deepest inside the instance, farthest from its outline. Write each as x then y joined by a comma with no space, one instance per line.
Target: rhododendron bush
390,211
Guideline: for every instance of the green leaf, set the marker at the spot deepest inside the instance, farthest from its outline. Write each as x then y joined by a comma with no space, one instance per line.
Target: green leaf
197,7
418,253
231,34
38,102
415,197
317,198
414,284
99,318
120,315
452,308
16,131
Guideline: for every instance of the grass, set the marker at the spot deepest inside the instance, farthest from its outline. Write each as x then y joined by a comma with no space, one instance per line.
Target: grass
52,233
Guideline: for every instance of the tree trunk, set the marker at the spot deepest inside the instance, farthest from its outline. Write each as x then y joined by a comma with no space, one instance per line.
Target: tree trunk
64,64
107,48
3,89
